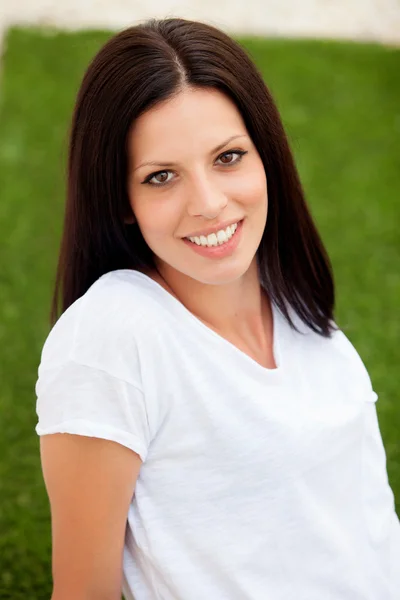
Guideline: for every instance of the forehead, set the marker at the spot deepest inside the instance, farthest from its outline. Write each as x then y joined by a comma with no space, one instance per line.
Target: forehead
193,117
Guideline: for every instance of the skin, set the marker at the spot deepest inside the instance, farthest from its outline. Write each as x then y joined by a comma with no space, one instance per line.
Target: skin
203,189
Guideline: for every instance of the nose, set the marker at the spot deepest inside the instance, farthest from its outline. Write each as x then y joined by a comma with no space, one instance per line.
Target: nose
205,198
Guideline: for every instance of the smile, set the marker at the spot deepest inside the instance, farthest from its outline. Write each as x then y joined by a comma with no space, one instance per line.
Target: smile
219,245
215,239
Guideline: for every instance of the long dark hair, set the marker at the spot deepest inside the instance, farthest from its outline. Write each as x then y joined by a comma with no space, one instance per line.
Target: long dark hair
136,69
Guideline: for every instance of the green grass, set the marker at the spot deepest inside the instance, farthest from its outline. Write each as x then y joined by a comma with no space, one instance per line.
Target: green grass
340,104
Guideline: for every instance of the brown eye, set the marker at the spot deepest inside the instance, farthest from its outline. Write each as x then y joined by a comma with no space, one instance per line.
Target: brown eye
163,180
228,155
158,183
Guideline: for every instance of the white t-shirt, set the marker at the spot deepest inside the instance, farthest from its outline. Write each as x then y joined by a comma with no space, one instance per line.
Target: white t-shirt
256,483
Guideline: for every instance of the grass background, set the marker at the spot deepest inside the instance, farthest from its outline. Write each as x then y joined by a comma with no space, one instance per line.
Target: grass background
340,103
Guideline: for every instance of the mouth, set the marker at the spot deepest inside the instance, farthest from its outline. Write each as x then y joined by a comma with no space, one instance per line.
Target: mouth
220,249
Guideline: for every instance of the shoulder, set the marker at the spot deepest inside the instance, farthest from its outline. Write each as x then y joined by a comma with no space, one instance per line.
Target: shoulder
348,365
349,354
101,329
112,303
334,358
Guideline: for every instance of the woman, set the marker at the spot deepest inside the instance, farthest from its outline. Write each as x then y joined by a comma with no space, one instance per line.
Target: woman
223,437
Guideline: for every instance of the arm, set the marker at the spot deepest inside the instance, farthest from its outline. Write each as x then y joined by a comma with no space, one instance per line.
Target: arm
90,483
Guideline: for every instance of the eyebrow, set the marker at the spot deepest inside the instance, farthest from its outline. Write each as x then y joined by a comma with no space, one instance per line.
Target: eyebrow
155,163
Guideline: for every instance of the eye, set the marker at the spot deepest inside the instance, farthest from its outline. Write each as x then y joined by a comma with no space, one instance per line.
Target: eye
229,153
153,175
240,154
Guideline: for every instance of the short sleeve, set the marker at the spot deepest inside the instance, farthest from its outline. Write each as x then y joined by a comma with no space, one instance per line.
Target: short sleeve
382,522
90,378
83,400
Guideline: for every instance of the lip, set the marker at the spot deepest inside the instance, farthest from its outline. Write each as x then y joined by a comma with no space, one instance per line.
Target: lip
214,229
220,251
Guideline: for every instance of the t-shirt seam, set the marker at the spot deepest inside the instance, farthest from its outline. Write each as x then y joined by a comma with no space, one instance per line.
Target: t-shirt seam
101,370
70,357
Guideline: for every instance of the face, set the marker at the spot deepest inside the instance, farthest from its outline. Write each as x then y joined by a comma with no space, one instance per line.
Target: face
198,179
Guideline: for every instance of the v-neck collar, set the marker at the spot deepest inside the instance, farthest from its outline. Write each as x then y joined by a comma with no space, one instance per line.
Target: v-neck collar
232,348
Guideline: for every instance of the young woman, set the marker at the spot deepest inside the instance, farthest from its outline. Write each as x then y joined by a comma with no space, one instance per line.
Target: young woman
223,440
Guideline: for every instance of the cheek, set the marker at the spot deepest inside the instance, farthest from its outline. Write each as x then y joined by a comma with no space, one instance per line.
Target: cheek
251,189
155,215
156,221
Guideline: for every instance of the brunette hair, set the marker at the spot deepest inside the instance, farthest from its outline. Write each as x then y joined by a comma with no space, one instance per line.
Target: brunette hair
136,69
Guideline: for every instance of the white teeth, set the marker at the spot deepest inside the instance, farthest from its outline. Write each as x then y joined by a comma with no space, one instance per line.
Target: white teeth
215,239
